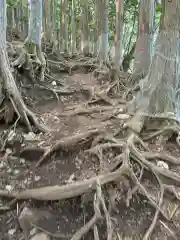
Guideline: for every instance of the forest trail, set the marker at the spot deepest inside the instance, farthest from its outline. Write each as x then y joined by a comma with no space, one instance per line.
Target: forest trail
72,115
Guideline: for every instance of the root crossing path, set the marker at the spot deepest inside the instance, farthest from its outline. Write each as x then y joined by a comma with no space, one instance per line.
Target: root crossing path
92,178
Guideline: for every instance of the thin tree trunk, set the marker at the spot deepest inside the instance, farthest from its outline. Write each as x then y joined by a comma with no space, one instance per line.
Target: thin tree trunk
64,27
143,49
85,30
103,38
73,27
119,33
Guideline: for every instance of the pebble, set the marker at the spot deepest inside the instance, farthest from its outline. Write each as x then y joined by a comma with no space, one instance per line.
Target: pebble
123,116
22,161
12,231
37,178
9,187
2,164
8,151
162,164
16,171
30,136
54,83
9,170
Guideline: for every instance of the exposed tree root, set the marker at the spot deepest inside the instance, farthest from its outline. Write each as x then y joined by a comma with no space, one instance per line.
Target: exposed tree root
31,54
96,95
97,215
56,92
165,130
126,170
116,109
69,143
54,235
69,190
69,66
132,153
13,94
153,224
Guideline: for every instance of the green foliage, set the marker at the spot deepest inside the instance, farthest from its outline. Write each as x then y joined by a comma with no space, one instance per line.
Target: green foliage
14,3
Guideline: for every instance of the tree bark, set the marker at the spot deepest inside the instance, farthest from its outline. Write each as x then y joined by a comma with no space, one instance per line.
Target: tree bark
7,82
143,51
119,33
159,91
32,45
103,30
85,30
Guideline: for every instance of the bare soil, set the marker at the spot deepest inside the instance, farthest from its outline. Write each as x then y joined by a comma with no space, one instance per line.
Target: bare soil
67,166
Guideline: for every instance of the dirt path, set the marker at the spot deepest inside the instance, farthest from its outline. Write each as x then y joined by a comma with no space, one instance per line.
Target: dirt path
66,166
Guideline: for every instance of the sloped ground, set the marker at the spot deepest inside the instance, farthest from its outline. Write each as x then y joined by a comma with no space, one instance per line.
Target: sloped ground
72,116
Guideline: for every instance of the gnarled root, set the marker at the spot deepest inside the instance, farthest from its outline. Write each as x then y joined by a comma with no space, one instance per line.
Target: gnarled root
158,172
12,92
31,54
131,157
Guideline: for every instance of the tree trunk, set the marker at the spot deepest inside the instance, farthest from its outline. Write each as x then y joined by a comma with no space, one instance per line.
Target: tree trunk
64,27
85,30
73,27
32,45
7,82
159,91
47,22
144,40
119,33
103,24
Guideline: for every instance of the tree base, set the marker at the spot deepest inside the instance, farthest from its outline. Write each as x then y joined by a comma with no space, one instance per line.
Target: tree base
11,93
32,59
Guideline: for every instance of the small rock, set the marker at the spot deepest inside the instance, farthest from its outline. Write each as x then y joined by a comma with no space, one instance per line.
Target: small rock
9,170
54,83
40,236
162,164
123,116
56,118
16,171
12,231
8,151
37,178
9,188
121,110
22,161
2,164
30,136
